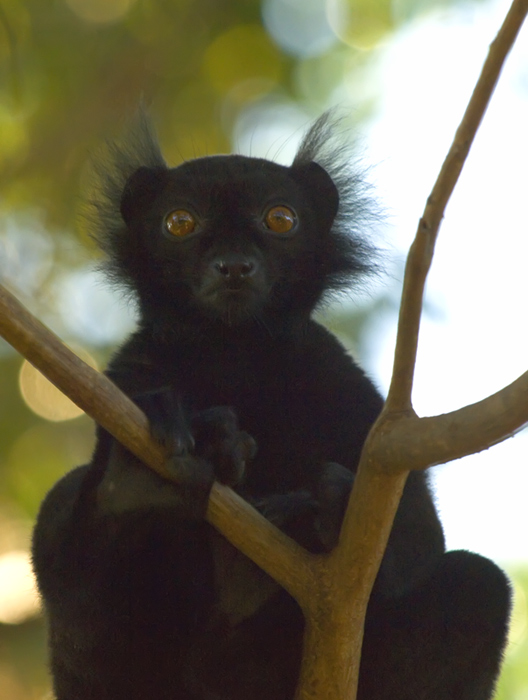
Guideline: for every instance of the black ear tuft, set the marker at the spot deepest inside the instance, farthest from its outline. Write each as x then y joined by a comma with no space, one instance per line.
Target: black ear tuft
140,190
320,187
339,187
124,176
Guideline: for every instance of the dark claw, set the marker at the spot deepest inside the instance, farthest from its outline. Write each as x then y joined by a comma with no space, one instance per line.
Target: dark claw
209,445
219,441
312,518
294,514
167,421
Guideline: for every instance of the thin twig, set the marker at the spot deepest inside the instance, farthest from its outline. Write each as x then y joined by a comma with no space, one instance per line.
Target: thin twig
421,252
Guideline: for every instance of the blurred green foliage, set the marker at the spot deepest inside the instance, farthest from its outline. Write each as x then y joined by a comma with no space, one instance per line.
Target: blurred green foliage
213,73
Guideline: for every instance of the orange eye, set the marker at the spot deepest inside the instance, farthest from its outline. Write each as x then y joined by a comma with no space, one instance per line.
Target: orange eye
180,223
280,219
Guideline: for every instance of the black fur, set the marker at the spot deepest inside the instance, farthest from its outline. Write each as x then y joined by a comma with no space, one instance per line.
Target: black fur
144,599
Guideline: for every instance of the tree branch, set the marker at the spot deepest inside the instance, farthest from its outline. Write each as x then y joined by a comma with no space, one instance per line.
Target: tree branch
98,396
334,590
399,440
421,252
406,442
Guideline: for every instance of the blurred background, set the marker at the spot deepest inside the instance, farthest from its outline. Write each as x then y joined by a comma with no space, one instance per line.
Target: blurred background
248,76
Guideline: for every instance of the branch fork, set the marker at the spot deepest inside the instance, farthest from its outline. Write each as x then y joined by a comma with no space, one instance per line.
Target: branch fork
332,590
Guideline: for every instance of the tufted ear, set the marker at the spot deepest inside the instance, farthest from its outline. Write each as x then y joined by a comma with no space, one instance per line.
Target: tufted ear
140,190
319,187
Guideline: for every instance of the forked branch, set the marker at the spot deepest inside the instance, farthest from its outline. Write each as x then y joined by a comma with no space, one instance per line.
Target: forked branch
400,441
334,590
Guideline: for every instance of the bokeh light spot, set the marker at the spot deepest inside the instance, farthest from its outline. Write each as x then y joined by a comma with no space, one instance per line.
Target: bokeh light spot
519,620
14,141
100,11
43,398
300,27
18,593
242,54
362,24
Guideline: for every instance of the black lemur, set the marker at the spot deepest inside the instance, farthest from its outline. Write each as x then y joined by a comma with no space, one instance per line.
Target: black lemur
228,256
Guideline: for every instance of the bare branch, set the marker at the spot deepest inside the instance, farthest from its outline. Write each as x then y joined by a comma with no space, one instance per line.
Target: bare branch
421,253
378,486
408,442
333,591
283,559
